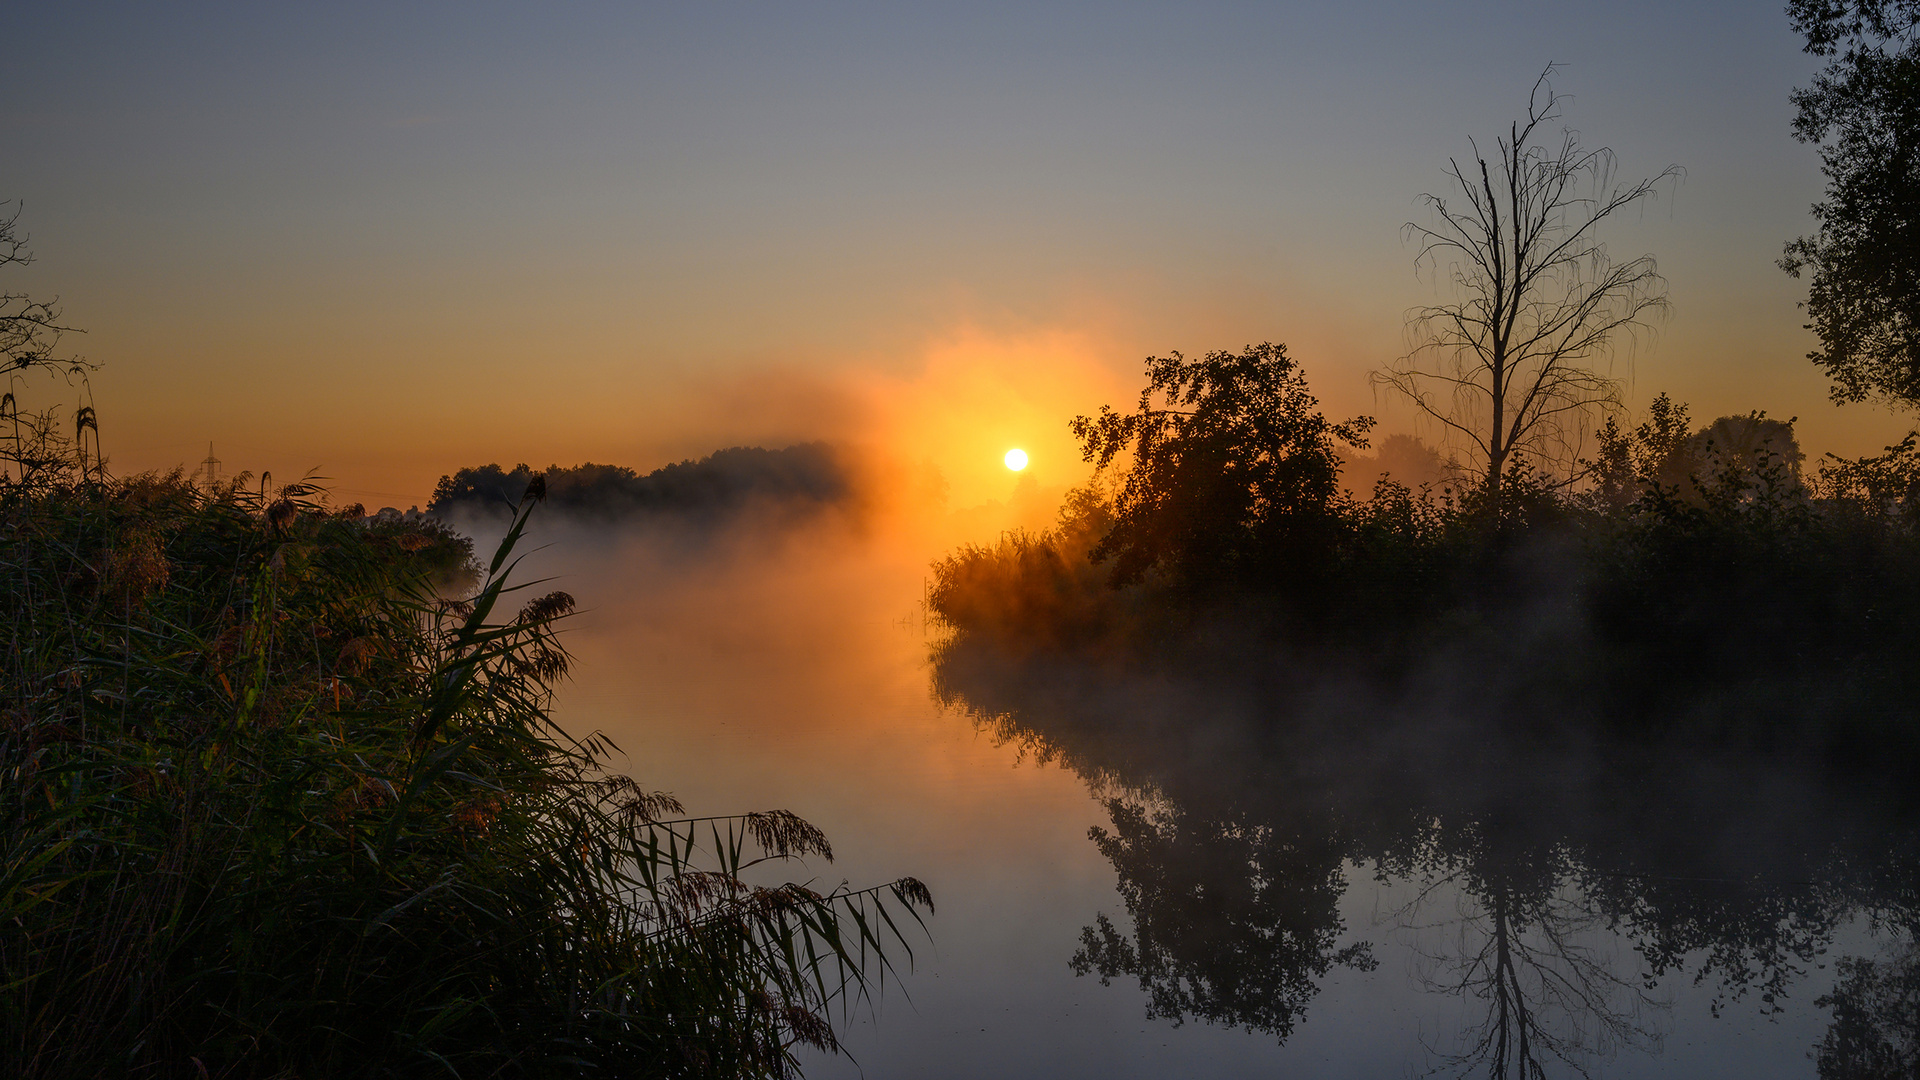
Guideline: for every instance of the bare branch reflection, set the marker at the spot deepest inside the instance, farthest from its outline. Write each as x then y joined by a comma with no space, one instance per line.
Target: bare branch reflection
1539,956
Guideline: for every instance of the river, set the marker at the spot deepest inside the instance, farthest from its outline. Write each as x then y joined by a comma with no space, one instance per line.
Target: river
1262,907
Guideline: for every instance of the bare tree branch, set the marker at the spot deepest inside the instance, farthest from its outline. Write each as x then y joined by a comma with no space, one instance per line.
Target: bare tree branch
1526,344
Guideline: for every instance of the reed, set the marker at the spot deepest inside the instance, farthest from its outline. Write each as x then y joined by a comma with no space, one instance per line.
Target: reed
273,806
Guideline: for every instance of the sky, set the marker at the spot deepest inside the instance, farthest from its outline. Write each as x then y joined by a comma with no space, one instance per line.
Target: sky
377,243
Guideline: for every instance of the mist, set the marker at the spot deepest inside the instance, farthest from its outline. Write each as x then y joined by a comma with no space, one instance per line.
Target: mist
737,658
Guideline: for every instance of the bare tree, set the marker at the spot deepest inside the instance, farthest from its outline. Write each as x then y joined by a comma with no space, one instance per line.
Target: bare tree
29,328
30,331
1517,363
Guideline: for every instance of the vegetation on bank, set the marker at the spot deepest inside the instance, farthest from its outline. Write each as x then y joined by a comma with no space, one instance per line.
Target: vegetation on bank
1664,701
281,793
273,806
1700,549
1712,552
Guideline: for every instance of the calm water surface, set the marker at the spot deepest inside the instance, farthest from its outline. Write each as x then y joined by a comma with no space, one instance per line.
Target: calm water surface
1323,904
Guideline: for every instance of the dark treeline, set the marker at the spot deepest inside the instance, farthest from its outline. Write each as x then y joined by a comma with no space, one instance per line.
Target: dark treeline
799,479
1705,554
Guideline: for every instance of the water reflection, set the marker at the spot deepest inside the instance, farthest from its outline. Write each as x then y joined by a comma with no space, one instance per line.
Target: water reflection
1556,878
1234,920
1876,1019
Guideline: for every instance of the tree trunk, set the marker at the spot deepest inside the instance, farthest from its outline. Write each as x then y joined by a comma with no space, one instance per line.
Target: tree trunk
1497,449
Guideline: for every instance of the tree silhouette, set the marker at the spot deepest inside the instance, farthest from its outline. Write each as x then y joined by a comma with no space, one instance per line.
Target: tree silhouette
1234,471
1864,111
1517,361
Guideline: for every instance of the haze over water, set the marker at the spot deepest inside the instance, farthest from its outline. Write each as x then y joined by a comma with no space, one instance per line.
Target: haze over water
378,245
789,667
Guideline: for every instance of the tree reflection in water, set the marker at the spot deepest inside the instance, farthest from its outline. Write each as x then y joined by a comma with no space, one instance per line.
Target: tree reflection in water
1562,874
1876,1019
1526,948
1234,920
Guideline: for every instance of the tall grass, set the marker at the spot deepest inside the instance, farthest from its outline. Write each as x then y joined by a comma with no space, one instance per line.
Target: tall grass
272,806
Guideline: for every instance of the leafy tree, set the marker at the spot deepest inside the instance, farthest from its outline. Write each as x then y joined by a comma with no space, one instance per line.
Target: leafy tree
1651,457
1235,475
1513,365
1888,482
1734,460
1864,111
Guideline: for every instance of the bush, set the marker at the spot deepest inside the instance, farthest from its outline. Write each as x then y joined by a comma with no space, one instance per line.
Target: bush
1688,557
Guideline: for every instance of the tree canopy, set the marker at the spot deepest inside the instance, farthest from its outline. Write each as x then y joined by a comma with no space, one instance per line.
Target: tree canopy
1233,468
1863,295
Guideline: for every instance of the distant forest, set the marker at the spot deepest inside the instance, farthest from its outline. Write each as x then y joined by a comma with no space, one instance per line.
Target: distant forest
798,479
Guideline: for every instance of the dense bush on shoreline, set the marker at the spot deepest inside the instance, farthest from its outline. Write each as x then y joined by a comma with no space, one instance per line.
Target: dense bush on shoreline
1694,554
272,807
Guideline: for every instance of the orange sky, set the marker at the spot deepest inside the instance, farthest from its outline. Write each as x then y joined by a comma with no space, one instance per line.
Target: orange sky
383,244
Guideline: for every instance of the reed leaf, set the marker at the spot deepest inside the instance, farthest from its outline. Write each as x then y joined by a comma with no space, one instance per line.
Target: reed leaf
274,805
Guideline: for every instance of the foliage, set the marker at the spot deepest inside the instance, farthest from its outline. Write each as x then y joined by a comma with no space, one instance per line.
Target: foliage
1864,112
1039,590
1876,1019
1516,362
1681,533
1881,485
1233,474
272,808
1736,457
1582,819
1651,458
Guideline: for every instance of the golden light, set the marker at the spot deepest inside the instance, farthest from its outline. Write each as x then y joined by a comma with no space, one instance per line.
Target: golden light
1016,459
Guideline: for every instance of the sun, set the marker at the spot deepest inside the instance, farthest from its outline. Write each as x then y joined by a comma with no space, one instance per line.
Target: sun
1016,459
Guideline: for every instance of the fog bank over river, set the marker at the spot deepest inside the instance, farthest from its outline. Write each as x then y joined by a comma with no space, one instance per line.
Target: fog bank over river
790,668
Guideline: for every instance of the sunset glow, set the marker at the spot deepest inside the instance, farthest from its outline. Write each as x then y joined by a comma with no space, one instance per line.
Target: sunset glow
1459,468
